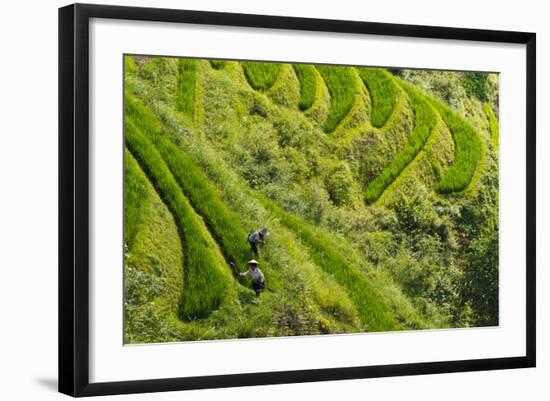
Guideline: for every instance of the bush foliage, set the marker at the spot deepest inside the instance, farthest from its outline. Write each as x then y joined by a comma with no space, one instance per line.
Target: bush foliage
493,124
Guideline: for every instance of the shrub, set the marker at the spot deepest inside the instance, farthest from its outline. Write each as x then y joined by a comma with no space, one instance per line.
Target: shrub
425,121
373,313
493,123
477,84
187,86
204,285
308,87
383,91
261,76
480,287
468,151
340,82
218,64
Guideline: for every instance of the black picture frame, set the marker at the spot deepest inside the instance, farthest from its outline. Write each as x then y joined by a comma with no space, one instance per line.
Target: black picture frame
74,194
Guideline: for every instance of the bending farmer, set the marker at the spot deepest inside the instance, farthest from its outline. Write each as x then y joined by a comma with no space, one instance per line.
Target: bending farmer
257,237
258,280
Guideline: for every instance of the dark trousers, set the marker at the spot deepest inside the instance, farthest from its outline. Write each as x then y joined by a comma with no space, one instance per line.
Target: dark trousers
258,286
254,246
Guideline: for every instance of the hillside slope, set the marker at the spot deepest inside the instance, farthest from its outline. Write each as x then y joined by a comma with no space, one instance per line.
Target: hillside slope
374,191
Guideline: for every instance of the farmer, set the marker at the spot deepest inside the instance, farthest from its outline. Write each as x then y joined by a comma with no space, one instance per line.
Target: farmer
258,280
257,237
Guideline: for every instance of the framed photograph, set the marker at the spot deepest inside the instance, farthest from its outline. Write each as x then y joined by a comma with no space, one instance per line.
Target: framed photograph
250,199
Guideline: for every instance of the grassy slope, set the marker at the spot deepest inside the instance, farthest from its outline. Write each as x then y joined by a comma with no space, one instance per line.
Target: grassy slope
227,225
154,259
373,312
205,284
360,289
202,153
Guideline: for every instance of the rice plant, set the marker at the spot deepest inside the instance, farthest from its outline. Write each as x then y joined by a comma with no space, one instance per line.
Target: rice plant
425,121
187,86
383,91
340,82
261,76
373,313
204,284
308,87
468,151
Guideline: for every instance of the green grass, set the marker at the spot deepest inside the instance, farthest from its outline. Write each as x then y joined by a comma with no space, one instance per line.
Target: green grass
204,284
340,82
383,91
493,123
187,86
425,121
468,151
372,312
261,76
218,64
308,86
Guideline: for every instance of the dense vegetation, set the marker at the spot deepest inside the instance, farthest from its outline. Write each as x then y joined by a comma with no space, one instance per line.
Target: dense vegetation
372,312
204,285
218,64
493,124
216,149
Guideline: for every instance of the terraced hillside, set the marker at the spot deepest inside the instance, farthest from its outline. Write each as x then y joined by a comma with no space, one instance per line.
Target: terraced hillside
379,189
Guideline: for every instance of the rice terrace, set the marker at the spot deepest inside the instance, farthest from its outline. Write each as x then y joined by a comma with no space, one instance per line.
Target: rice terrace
272,199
